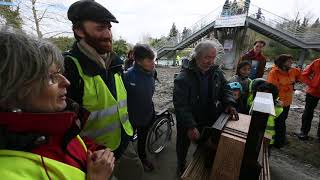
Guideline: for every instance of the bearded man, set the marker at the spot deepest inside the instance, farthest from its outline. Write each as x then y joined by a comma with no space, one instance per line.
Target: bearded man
95,73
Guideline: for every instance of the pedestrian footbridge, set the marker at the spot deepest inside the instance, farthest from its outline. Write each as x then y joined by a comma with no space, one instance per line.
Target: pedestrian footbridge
280,29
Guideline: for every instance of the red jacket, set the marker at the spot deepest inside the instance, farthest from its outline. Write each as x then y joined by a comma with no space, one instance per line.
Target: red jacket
58,128
311,77
251,55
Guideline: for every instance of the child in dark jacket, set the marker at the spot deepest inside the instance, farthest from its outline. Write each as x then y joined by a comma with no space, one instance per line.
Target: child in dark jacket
242,76
140,84
236,89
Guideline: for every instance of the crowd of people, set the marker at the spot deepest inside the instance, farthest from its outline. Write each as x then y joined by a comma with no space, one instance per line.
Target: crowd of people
72,115
280,82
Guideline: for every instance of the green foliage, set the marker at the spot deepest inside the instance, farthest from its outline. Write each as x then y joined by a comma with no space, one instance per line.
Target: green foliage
11,15
173,31
121,47
274,49
185,33
316,24
63,43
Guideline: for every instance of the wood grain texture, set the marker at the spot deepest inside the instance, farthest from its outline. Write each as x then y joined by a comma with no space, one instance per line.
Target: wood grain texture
228,158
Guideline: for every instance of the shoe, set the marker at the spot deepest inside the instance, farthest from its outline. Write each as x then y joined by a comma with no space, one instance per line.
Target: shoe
147,165
303,136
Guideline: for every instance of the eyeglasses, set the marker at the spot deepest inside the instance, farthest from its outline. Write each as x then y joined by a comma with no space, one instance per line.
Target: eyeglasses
55,77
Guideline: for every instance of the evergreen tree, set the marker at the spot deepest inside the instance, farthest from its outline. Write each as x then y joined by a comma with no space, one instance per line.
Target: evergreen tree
316,24
11,15
173,31
120,47
185,33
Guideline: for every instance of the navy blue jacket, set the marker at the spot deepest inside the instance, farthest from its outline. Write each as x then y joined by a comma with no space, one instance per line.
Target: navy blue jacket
140,88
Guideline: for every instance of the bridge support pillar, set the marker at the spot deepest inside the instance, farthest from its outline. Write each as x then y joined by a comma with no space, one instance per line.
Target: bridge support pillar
231,39
302,56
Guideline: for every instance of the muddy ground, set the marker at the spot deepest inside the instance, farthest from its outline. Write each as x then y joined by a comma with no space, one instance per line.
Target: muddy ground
298,161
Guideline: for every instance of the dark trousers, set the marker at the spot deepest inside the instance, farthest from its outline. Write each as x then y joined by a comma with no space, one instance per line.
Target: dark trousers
142,133
311,104
182,146
280,126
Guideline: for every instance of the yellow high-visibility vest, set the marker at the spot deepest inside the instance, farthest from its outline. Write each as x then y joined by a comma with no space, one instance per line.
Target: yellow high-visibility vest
16,165
107,113
271,123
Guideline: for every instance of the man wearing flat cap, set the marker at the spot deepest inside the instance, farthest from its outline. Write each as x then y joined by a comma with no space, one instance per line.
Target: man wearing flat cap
95,73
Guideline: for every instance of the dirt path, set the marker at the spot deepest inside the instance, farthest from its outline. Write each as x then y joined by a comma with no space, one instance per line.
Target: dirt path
297,161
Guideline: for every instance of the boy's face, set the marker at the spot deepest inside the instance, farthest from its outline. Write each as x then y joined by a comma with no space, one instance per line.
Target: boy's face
236,94
147,64
245,71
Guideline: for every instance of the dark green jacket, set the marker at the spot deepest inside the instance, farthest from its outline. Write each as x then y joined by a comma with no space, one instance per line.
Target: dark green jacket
190,112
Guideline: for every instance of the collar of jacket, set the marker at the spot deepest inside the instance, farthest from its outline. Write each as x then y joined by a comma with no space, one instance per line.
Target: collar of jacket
138,68
51,124
253,56
55,124
90,67
276,68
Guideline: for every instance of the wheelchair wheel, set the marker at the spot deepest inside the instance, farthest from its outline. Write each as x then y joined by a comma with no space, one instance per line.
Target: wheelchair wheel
159,134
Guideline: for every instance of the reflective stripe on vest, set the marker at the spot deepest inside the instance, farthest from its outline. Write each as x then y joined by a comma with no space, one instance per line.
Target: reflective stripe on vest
108,114
271,123
28,166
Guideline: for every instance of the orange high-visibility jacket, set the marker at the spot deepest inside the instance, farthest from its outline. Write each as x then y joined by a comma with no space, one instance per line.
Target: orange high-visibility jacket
311,76
284,82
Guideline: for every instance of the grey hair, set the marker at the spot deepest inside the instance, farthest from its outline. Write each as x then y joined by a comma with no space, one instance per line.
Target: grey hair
25,62
204,46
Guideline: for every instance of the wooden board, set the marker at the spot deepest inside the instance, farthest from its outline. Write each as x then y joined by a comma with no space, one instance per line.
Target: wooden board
241,125
227,163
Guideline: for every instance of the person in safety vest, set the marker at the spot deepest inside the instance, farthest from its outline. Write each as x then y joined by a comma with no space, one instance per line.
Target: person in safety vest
39,126
95,73
263,86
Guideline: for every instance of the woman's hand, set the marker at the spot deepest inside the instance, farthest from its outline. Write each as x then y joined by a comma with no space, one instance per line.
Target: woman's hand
100,164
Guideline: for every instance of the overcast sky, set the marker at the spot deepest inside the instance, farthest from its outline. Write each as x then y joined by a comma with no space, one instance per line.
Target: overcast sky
139,18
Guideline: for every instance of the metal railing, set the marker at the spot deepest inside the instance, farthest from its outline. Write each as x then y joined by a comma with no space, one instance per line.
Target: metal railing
290,27
199,25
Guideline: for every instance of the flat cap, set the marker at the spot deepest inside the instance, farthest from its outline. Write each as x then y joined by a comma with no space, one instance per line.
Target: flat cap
89,10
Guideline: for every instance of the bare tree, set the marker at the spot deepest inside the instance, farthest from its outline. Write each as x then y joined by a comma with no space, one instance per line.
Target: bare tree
41,17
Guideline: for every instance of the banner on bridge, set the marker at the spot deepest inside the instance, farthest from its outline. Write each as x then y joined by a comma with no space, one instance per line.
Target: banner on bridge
230,21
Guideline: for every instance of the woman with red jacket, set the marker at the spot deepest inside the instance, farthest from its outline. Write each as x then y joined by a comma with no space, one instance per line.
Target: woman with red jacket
311,77
256,58
38,127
